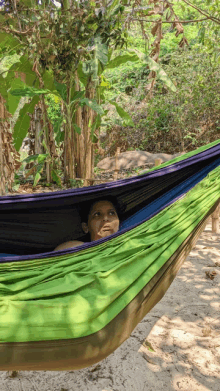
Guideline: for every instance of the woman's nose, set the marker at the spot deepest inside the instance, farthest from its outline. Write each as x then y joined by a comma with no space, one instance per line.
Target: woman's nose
105,217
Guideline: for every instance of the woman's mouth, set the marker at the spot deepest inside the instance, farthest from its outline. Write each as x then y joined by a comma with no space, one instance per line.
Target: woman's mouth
106,228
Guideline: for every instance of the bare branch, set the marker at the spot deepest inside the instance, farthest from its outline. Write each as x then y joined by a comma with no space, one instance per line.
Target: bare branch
16,13
213,18
16,32
171,22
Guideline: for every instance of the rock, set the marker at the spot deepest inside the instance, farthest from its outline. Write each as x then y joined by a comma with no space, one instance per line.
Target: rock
131,159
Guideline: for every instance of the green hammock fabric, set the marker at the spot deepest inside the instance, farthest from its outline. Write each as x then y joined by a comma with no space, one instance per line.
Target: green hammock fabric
74,296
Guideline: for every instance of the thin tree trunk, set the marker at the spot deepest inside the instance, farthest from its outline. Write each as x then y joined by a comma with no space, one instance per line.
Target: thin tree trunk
49,140
69,157
88,118
79,138
38,148
9,157
65,156
2,179
2,116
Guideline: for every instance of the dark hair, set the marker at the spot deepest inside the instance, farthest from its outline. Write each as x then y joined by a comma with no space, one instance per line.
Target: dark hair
86,208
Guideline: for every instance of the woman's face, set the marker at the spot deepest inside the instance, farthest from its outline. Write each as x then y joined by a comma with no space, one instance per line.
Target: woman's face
102,220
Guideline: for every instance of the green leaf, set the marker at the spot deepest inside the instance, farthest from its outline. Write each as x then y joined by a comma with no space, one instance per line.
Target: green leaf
13,101
37,178
95,66
91,68
59,135
40,168
121,60
77,95
123,114
4,87
161,74
41,157
56,178
48,80
94,138
93,105
148,345
27,3
113,7
23,122
29,91
82,76
201,35
77,128
101,51
95,125
62,89
154,66
25,66
9,42
6,81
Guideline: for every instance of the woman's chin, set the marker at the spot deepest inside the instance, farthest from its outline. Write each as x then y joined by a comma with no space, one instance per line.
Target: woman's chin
104,234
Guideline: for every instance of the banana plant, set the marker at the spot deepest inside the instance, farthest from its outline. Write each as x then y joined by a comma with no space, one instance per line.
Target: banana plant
64,54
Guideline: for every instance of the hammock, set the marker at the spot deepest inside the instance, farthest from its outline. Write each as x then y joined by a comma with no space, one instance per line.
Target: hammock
71,308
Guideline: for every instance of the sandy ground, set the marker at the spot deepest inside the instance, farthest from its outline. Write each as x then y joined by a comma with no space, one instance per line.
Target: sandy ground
175,347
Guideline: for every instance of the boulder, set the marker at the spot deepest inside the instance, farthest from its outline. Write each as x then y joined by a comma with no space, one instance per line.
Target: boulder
133,159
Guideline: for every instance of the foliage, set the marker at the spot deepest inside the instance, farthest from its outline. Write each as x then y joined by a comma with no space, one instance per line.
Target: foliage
182,120
55,116
73,55
38,162
58,43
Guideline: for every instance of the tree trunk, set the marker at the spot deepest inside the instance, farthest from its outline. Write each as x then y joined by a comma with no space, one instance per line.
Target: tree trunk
79,138
49,140
2,179
78,148
87,121
2,116
9,157
38,148
69,150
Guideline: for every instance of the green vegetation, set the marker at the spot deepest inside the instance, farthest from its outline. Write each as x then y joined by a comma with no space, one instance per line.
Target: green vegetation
131,71
171,121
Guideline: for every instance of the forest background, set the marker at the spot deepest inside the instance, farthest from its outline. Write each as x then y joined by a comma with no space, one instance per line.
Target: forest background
80,78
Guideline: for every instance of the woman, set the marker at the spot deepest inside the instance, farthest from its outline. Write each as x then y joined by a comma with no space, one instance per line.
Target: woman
101,221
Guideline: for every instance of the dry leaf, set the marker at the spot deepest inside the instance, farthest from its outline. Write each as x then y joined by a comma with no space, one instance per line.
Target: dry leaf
148,359
183,42
148,345
12,374
156,29
211,274
179,27
95,368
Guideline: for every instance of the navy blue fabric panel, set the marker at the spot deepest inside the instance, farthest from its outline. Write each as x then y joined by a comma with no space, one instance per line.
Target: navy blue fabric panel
2,255
168,198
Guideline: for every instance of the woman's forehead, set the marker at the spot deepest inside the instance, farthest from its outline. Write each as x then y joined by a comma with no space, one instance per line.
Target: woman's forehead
102,204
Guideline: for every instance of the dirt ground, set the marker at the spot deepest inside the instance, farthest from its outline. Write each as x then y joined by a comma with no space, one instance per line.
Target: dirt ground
175,347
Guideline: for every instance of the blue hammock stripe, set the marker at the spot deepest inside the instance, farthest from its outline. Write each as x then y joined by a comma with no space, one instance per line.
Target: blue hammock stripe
168,198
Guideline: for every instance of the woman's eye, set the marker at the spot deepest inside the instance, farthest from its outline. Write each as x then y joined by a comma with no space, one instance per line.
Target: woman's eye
112,213
96,214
